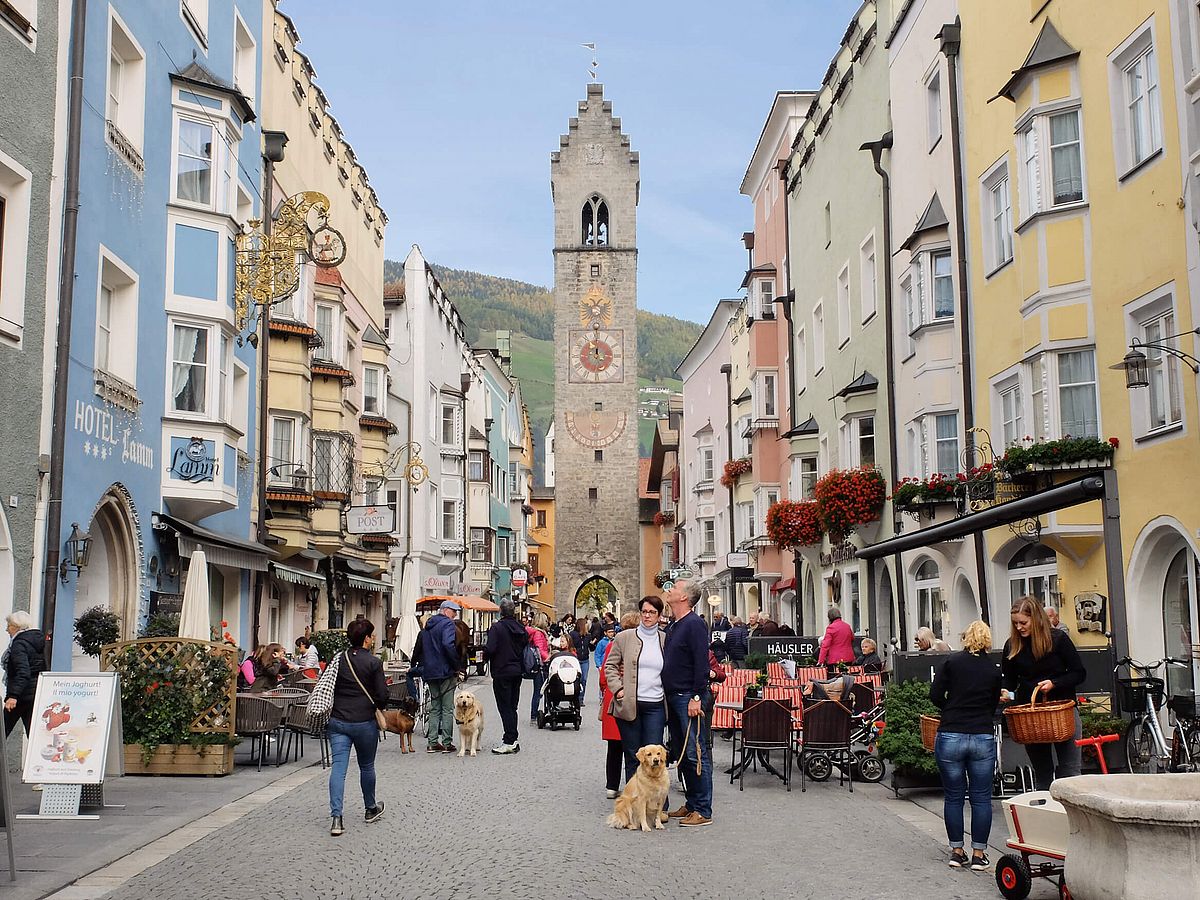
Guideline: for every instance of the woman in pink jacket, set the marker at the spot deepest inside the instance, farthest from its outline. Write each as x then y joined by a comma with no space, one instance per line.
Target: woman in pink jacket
838,644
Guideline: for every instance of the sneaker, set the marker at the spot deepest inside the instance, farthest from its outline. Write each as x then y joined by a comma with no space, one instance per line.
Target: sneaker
958,858
336,829
434,748
505,749
611,794
375,813
682,813
448,748
980,862
694,819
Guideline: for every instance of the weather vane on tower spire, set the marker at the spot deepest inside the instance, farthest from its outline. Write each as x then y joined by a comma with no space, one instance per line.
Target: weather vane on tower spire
591,45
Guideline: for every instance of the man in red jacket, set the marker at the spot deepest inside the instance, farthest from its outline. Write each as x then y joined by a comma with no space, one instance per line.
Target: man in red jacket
838,644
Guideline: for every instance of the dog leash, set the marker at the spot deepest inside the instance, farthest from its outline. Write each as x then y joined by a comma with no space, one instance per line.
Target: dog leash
688,734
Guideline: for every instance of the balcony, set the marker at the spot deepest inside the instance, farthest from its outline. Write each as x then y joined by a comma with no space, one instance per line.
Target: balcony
766,423
703,487
201,470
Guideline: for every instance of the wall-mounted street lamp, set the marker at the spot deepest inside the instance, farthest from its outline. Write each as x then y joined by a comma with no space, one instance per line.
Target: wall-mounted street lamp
76,552
1137,364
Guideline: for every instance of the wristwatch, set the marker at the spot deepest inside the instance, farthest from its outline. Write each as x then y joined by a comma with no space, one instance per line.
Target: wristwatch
695,698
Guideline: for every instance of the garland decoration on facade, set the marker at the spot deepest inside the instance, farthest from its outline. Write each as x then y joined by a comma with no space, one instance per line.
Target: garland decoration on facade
794,523
734,469
848,498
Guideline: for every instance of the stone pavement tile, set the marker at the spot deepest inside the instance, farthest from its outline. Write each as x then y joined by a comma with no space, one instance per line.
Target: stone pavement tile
532,825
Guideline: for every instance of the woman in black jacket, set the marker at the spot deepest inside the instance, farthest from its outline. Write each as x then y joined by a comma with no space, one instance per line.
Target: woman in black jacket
1037,655
24,661
967,690
359,690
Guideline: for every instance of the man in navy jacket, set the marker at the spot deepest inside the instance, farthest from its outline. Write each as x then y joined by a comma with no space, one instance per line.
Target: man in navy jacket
441,674
685,684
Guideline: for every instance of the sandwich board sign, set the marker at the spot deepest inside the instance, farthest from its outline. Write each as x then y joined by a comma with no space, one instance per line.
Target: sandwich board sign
75,739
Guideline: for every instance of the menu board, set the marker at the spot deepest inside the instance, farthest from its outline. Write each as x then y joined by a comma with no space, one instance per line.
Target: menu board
76,726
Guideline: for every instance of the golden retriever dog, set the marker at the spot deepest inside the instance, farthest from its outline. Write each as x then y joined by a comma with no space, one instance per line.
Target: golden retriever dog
644,795
402,721
468,713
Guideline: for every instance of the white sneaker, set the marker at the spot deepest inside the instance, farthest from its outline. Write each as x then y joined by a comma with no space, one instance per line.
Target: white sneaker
505,749
611,794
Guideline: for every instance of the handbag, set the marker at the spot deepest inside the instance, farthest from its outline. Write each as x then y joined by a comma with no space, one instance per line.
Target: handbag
379,719
320,701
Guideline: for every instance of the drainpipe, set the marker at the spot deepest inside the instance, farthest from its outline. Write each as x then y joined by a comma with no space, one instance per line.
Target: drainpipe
66,299
273,144
877,148
786,300
951,36
727,371
464,381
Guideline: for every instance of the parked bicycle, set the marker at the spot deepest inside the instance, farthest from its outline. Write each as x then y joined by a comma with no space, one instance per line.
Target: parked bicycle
1147,749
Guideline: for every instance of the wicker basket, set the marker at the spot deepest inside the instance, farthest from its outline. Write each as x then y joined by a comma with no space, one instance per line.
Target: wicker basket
1041,723
929,728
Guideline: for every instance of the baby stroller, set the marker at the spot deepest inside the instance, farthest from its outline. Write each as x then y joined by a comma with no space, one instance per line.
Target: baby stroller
560,694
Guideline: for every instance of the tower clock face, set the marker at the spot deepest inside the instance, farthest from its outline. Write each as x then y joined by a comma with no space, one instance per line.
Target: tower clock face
597,356
596,430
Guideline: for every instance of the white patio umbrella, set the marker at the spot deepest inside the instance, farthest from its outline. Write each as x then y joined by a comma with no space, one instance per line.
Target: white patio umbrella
406,631
193,618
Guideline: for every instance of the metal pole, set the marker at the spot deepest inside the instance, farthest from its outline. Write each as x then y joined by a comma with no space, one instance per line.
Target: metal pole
1114,565
66,300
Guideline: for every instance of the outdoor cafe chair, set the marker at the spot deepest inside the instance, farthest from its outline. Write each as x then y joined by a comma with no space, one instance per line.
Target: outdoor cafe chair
257,718
297,727
827,733
766,726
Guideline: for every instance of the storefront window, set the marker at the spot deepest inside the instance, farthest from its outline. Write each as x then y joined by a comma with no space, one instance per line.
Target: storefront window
1033,572
930,606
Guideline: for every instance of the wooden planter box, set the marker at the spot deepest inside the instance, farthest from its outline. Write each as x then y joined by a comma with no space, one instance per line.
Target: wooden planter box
180,759
907,779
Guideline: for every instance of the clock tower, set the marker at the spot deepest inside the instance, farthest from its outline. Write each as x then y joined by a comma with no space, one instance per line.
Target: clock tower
594,183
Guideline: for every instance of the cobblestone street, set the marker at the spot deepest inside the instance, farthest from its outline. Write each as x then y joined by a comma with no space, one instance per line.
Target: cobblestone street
532,825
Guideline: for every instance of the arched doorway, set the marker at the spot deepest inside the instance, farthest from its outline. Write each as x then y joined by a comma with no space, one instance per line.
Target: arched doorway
966,610
595,596
887,624
810,623
111,578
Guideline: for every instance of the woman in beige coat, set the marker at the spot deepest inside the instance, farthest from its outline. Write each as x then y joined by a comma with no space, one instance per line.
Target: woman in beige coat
633,673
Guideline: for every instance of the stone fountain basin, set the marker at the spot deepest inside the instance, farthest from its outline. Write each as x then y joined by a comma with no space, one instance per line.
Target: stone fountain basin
1133,837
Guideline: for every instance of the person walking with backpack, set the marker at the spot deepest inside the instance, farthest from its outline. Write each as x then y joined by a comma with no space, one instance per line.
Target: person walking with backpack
441,674
537,637
505,651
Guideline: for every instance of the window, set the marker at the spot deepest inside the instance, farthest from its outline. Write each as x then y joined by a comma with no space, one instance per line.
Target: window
195,13
224,365
858,441
116,319
593,494
1012,415
745,520
373,395
853,599
998,214
943,284
22,16
868,286
708,538
804,477
929,294
1142,125
189,369
104,326
912,316
326,322
502,551
599,456
1078,414
245,60
801,360
818,326
194,162
930,608
1059,133
481,547
449,530
322,462
946,438
1164,398
594,231
766,298
843,304
449,429
513,490
283,448
1037,393
828,226
766,405
475,463
541,518
706,464
933,108
371,489
533,567
1033,572
125,104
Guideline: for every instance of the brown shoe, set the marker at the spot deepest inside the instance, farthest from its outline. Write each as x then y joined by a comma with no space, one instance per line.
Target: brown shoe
694,818
680,813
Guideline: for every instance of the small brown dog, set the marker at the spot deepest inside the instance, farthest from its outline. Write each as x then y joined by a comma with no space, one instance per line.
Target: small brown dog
402,721
468,713
644,795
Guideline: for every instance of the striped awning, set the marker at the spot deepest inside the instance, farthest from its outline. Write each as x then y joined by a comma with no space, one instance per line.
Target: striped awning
296,576
368,584
220,549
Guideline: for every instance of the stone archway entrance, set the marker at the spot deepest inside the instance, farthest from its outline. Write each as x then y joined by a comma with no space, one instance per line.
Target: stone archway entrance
595,596
111,577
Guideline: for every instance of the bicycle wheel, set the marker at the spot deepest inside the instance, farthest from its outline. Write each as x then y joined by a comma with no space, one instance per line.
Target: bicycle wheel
1192,740
1139,749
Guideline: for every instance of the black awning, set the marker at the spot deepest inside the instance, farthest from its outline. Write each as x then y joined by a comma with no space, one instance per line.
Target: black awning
1060,496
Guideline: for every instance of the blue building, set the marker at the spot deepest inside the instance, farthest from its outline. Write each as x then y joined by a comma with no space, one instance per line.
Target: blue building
492,539
160,430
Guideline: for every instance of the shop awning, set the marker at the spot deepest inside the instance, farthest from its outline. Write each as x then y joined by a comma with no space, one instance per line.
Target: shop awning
296,576
1060,496
468,602
220,549
374,585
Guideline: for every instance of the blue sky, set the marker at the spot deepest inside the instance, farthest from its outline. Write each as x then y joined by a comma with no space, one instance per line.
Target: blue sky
454,109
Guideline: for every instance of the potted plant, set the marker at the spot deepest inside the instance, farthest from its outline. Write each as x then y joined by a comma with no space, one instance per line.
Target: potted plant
161,625
1096,723
95,628
849,498
912,765
330,643
794,523
735,469
755,690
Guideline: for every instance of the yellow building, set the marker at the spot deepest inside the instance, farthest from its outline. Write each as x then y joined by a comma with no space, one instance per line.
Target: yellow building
327,420
541,550
1076,247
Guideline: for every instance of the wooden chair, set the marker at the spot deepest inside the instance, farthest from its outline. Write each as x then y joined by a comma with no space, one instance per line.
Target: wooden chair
257,718
827,733
766,726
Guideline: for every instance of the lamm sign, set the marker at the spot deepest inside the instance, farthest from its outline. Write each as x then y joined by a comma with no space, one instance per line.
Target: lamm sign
194,460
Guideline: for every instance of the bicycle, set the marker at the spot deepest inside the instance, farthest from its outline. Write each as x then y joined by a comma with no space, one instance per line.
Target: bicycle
1146,748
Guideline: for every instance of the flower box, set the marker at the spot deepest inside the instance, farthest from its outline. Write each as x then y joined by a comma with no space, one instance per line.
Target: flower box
1078,464
180,759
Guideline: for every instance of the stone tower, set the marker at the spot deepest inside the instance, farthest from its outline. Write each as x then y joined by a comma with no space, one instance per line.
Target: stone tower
594,182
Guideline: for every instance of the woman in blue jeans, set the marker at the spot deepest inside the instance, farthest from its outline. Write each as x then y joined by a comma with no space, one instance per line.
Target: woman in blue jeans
359,690
967,691
633,673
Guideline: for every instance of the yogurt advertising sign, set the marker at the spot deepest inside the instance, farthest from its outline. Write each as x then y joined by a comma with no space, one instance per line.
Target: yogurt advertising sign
72,728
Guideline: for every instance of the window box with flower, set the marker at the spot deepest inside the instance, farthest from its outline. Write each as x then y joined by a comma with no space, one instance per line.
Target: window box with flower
735,469
849,498
1067,453
664,518
794,523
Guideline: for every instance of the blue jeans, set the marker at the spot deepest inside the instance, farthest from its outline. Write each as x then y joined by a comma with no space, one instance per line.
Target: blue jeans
583,670
697,789
647,728
967,763
364,736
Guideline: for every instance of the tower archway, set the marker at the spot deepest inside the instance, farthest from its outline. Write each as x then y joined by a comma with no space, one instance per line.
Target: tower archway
595,596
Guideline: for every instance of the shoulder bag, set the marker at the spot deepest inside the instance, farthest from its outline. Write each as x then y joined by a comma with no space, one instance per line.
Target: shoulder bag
379,719
320,701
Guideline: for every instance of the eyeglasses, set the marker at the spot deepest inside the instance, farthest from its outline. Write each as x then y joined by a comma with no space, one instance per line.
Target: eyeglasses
650,612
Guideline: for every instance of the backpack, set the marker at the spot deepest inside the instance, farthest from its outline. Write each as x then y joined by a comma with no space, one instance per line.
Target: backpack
320,701
531,661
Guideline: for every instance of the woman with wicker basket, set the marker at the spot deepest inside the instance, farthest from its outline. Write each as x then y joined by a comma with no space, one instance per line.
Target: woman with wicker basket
1042,669
967,691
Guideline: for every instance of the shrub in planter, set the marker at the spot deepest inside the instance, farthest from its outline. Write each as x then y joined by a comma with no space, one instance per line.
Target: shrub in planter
904,703
162,625
330,643
95,628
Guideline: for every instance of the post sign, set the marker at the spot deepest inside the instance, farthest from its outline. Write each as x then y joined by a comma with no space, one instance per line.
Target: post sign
76,735
370,520
785,645
520,578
